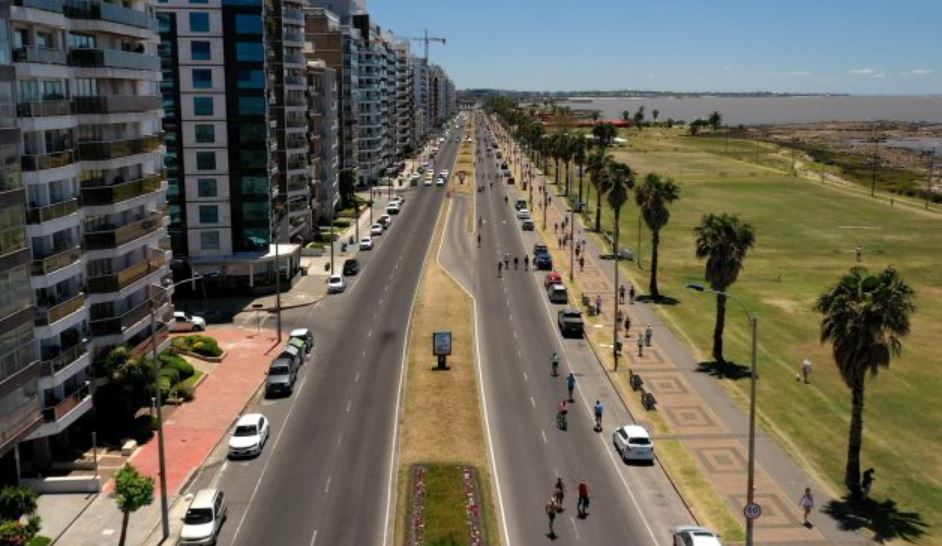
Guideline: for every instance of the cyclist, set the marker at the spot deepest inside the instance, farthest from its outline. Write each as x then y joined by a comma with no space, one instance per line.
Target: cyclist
505,199
516,260
562,414
598,416
559,490
506,260
480,221
554,361
570,384
500,266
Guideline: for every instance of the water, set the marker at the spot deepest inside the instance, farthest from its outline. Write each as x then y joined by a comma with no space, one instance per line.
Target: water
763,110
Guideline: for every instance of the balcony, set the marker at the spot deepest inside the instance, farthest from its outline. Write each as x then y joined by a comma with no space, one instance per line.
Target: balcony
164,244
77,9
116,325
38,109
42,55
56,312
47,264
62,408
115,237
52,160
295,80
51,212
110,104
60,361
113,58
97,192
125,277
110,149
47,5
296,122
293,36
294,14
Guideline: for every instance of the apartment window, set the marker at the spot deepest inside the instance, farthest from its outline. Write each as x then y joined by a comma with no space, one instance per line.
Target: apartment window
164,20
205,134
254,185
207,187
250,79
199,21
209,240
251,106
199,50
29,90
248,24
253,133
209,214
199,1
205,161
12,232
202,78
84,87
249,51
79,40
202,106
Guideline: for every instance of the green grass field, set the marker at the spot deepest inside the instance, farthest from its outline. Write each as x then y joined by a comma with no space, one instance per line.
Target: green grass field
805,235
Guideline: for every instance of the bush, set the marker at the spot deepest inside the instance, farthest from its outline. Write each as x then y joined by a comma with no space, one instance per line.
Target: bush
16,501
201,345
178,363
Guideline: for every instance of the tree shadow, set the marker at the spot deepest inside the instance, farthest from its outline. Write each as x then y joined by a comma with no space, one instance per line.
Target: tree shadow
660,300
884,519
724,370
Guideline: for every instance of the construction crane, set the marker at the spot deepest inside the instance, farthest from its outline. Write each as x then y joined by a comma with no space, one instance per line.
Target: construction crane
425,38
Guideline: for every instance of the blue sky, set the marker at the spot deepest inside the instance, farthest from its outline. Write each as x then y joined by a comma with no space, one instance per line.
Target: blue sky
846,46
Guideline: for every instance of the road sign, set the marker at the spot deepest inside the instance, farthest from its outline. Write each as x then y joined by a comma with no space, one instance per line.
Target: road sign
752,511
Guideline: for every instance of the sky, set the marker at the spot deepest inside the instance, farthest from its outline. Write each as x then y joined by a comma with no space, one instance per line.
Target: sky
836,46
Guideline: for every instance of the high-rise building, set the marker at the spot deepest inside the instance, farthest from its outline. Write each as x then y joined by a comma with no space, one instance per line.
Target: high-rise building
405,110
19,369
325,133
420,100
89,112
239,171
372,100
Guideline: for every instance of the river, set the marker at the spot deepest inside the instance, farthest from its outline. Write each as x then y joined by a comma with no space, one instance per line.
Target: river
774,110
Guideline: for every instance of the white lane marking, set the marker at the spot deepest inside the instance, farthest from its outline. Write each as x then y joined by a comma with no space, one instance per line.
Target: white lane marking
314,538
356,378
339,437
525,376
575,528
543,433
515,334
386,288
327,485
268,461
532,402
363,354
349,404
380,302
370,333
519,354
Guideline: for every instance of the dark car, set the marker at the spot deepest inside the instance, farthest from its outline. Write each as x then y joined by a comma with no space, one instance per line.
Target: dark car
351,267
527,225
539,249
543,261
570,323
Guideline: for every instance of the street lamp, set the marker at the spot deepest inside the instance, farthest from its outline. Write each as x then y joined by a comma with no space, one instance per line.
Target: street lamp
164,510
750,476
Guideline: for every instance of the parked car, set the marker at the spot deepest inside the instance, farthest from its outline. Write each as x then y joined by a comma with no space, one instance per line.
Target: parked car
523,214
540,249
520,204
281,376
204,518
557,293
366,243
377,229
570,322
527,225
691,535
633,443
543,261
386,220
552,278
305,335
414,179
440,181
183,322
428,179
249,436
336,284
351,267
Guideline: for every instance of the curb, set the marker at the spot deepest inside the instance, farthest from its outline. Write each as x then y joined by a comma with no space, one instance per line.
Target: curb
274,309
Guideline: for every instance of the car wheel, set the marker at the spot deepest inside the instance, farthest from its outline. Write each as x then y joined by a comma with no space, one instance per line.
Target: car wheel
198,328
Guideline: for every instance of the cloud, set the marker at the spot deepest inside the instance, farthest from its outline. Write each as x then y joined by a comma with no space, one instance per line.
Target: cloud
920,72
863,72
798,73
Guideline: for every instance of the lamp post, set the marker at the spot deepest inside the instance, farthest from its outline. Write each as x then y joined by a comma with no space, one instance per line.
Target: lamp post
277,282
161,460
572,241
750,476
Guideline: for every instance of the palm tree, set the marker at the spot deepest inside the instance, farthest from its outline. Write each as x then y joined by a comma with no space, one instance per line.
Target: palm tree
620,181
556,152
724,241
604,133
715,120
595,115
864,318
579,156
652,197
639,117
598,169
654,114
567,148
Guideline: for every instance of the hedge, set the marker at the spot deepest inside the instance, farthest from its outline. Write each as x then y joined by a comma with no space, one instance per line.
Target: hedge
201,345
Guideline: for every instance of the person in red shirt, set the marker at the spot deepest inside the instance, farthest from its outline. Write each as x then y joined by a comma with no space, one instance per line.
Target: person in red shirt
582,504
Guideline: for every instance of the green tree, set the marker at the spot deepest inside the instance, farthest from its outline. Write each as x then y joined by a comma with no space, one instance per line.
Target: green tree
724,241
652,197
132,492
865,317
347,187
579,156
15,533
556,151
715,120
604,134
639,117
598,169
621,179
567,148
695,126
654,114
626,116
595,115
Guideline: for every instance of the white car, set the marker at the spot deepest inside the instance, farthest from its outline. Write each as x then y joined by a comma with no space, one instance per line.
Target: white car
428,180
440,181
392,208
444,173
186,323
249,436
398,199
366,243
690,535
386,220
376,229
523,214
336,284
633,443
203,518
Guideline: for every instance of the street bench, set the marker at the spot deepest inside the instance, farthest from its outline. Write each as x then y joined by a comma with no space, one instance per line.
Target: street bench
637,384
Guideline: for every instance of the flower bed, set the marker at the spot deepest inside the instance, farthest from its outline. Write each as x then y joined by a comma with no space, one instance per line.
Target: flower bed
469,478
417,496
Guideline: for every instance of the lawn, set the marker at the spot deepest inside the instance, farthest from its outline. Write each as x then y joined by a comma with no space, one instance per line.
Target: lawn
805,233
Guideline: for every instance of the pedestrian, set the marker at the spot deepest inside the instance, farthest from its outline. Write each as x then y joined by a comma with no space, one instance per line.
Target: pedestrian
640,345
581,263
551,510
560,241
555,227
618,316
867,482
648,332
627,325
582,505
857,252
807,503
559,491
621,294
598,416
500,267
631,295
549,200
577,251
806,370
570,384
598,304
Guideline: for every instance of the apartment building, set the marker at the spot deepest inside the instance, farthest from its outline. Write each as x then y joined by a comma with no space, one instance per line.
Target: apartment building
405,112
372,99
238,168
420,101
324,133
20,411
88,111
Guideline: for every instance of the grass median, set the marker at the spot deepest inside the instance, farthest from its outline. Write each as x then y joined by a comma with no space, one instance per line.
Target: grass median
442,422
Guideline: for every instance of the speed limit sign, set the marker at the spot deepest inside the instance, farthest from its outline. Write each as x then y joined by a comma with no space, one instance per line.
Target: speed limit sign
752,511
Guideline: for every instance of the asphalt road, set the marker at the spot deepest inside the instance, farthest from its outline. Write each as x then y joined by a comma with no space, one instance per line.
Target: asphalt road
517,335
324,477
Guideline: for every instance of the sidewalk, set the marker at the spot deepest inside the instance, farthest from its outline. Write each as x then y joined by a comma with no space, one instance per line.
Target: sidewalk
698,411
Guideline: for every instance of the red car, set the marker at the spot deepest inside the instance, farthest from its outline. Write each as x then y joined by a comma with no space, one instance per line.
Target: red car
552,278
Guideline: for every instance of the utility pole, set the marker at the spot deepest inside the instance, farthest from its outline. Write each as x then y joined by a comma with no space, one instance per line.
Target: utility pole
874,162
930,154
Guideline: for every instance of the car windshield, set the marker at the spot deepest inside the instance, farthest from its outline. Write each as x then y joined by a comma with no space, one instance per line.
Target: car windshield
198,516
278,370
335,280
245,430
571,314
640,441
